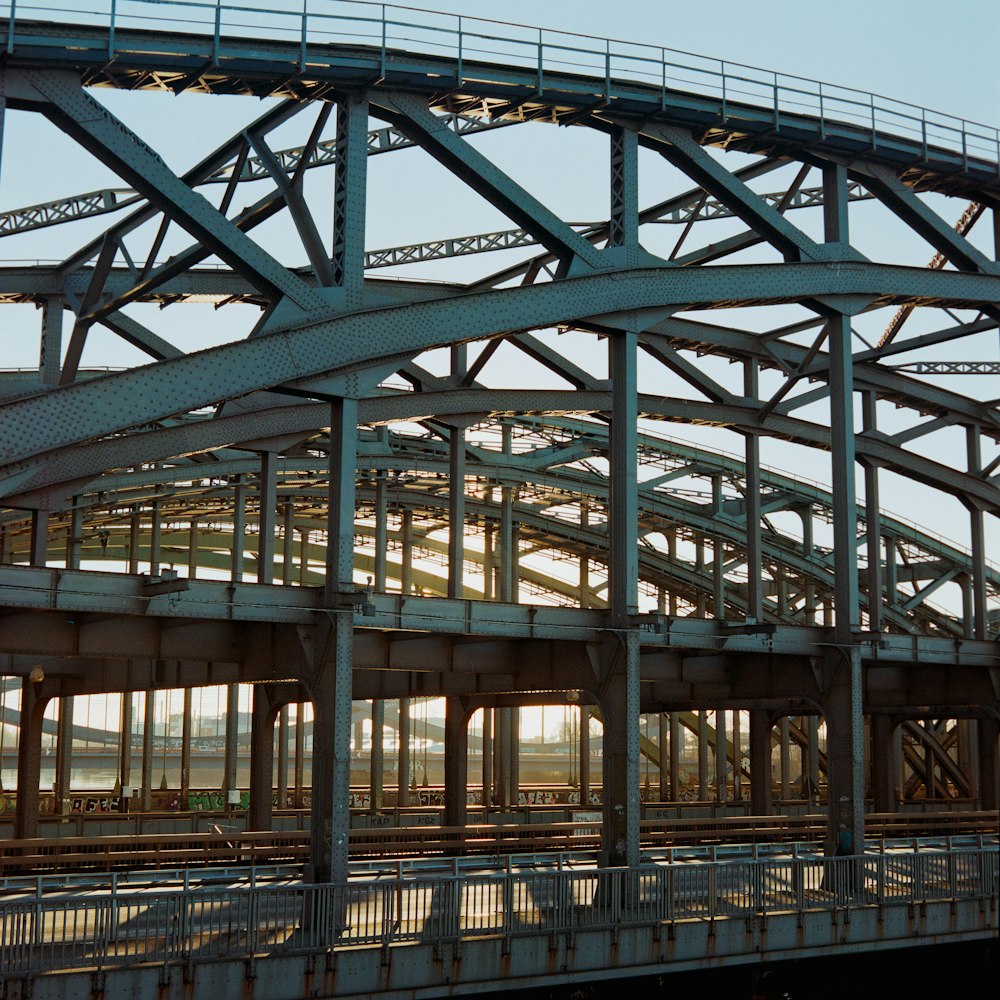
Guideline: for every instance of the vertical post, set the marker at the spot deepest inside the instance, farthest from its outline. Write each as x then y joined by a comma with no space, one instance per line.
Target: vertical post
663,722
155,533
502,769
755,592
721,754
760,762
403,753
267,490
380,581
239,530
624,227
406,555
989,763
702,756
885,764
283,757
676,738
508,570
456,513
74,542
585,755
619,694
349,198
737,757
487,762
377,758
260,812
786,762
29,759
39,538
192,566
125,745
230,780
842,702
300,762
809,586
148,727
332,669
134,534
456,762
287,549
64,755
50,351
584,597
488,560
514,765
186,751
873,522
978,541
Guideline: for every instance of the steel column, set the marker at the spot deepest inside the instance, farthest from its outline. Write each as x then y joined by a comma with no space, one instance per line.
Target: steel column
755,591
230,780
349,197
283,757
64,756
34,698
186,750
760,763
456,762
721,755
403,765
885,764
487,768
50,352
989,763
125,746
148,727
619,689
456,513
263,713
377,758
977,542
267,490
873,521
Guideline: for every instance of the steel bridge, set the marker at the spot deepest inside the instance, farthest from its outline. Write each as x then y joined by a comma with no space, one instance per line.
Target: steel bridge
243,452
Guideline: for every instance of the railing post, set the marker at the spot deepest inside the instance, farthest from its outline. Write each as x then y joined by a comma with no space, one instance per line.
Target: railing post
874,140
822,119
10,26
722,71
663,81
382,58
540,56
777,118
111,30
607,69
460,75
302,36
965,148
217,32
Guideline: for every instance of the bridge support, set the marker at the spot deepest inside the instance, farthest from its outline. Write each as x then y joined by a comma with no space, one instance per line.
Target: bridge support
760,762
456,762
34,698
332,661
264,711
885,764
845,753
989,763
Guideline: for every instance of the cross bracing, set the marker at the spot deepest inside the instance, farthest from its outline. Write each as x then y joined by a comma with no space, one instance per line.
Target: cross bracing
503,459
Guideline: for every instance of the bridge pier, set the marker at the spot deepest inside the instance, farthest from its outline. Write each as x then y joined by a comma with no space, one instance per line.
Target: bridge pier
34,697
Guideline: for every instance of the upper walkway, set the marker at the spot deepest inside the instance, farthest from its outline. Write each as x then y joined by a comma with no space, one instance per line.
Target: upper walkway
505,70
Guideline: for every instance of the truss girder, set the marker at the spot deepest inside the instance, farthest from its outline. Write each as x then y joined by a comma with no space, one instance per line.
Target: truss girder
61,97
76,413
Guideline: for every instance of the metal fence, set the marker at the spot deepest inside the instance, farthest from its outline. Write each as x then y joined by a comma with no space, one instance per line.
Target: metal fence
612,65
122,927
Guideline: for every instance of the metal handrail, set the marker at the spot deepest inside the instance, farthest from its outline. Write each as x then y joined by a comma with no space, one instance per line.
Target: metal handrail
122,929
615,64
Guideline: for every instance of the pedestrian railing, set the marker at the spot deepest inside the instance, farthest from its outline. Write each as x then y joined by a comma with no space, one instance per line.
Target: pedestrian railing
49,931
603,68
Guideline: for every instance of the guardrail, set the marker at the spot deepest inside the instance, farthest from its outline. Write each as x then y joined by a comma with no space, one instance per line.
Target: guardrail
122,928
607,65
168,851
